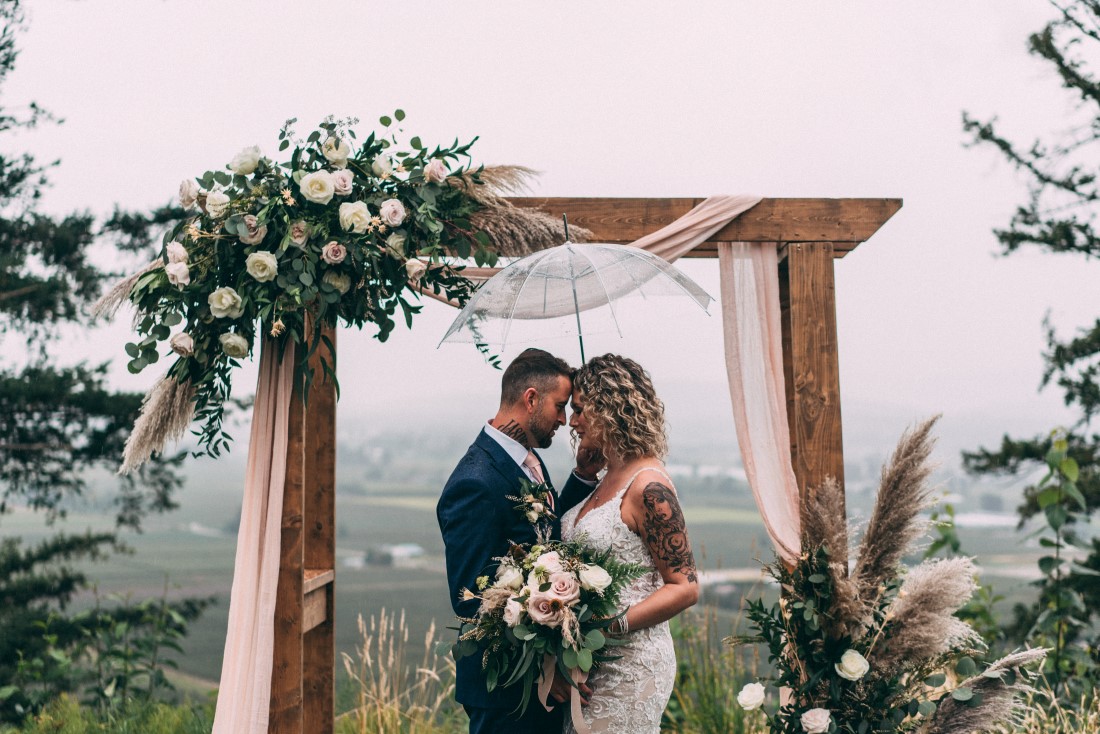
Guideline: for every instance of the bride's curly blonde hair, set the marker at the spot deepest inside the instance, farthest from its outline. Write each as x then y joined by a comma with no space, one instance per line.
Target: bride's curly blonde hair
622,408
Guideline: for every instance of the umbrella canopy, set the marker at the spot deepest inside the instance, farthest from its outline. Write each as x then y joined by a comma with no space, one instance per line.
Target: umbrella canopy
571,289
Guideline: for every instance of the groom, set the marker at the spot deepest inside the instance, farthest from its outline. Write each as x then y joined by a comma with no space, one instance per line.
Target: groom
478,522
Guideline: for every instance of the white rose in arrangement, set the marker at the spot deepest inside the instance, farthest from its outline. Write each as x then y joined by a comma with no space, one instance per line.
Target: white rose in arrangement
299,232
594,578
176,252
217,203
318,187
234,345
246,161
182,344
336,151
342,182
852,666
392,212
751,696
262,266
532,516
435,171
334,253
225,303
513,613
510,577
189,193
179,274
354,216
415,269
381,167
339,281
548,563
816,721
256,231
395,244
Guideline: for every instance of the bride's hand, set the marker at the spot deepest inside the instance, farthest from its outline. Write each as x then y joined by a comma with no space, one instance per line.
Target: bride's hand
559,689
589,463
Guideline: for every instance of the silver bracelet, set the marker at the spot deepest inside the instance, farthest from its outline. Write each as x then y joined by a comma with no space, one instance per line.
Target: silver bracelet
620,627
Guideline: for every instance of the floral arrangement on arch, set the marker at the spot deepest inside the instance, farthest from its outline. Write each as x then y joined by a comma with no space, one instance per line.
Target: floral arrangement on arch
344,230
878,649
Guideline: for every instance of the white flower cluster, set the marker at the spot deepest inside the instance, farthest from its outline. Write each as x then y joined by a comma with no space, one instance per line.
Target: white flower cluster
548,607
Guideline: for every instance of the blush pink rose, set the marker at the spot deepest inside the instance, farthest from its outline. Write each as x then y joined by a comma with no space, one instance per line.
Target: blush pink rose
435,171
342,181
299,232
564,585
545,608
334,253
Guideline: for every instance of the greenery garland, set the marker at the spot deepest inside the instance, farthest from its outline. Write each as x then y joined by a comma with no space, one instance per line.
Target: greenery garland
342,231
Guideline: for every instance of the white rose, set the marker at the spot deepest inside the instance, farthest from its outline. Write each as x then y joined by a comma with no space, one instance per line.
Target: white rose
816,721
354,216
392,212
513,612
178,274
415,270
536,506
852,666
256,231
751,696
336,151
339,281
318,187
395,243
176,252
594,578
381,167
262,266
225,303
217,203
246,161
189,193
234,345
549,563
342,181
435,171
182,344
532,516
510,577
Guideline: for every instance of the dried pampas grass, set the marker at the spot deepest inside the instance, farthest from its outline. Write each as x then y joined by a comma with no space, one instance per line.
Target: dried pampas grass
825,525
109,304
513,231
896,523
166,413
999,703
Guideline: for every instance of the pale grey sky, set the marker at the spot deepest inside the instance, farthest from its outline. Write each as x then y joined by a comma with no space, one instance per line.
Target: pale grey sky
640,99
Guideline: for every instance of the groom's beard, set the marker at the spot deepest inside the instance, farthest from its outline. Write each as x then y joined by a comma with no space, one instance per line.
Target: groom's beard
541,430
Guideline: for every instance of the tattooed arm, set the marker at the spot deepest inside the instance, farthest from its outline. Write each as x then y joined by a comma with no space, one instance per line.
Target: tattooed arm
652,510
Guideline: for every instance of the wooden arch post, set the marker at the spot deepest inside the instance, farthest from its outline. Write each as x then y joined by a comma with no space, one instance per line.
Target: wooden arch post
811,233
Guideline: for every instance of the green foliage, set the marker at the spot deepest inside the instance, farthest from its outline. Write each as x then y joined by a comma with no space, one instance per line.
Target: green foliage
1059,216
65,715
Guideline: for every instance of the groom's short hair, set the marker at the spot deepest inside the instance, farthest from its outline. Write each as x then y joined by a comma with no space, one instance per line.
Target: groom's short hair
535,368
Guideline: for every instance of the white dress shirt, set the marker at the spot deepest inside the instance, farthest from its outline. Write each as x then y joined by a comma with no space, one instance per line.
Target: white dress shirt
511,446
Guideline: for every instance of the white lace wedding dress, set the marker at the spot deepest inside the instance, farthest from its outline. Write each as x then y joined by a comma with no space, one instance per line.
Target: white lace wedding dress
629,695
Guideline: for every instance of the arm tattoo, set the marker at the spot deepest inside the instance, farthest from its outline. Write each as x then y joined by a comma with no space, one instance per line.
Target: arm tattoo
514,431
665,531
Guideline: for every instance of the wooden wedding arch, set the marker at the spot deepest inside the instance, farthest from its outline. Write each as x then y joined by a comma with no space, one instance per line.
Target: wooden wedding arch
812,234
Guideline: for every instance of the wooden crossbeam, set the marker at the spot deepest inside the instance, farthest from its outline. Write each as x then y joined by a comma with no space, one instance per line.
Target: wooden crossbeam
843,222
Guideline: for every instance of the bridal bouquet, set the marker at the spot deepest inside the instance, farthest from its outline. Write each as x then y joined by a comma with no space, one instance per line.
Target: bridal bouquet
878,649
549,606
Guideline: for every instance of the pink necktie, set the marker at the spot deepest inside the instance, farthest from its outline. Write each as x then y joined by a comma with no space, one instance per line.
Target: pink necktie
532,463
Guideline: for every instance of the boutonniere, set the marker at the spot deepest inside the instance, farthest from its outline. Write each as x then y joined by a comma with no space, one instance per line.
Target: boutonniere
534,502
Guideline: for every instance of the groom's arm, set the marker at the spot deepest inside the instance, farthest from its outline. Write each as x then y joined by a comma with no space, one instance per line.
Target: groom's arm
467,520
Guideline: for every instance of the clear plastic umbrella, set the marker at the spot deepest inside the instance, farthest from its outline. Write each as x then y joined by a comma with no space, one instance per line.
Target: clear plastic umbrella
568,289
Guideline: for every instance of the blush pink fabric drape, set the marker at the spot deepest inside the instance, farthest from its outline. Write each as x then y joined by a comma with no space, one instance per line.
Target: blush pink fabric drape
245,689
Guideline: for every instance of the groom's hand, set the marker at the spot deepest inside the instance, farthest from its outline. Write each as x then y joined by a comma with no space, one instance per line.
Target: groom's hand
589,464
559,689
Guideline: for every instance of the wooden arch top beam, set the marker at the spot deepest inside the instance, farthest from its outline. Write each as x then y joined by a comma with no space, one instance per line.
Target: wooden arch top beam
843,222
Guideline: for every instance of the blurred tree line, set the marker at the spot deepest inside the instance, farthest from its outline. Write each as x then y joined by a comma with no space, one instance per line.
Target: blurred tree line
59,421
1059,217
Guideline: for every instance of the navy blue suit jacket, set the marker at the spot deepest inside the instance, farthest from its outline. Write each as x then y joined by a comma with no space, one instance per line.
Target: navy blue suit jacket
478,521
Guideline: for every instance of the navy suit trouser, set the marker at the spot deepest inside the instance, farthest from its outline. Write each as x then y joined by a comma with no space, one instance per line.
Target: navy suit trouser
535,720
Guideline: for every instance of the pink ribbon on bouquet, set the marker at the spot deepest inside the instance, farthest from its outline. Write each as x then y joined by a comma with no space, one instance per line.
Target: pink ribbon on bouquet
549,664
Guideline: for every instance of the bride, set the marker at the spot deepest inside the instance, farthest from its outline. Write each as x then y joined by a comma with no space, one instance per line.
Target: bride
634,511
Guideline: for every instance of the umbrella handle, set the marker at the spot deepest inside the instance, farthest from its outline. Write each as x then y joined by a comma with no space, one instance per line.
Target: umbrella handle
565,222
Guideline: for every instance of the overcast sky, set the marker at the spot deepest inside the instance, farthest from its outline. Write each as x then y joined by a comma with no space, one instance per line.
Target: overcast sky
854,99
